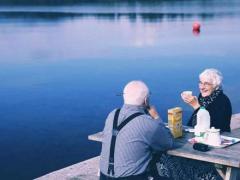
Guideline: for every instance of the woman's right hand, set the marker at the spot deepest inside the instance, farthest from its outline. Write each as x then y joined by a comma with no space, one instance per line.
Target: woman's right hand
191,100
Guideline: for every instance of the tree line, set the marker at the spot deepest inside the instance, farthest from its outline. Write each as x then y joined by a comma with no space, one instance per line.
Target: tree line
65,2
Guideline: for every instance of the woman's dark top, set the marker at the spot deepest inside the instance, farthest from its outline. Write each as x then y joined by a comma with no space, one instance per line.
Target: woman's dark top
219,108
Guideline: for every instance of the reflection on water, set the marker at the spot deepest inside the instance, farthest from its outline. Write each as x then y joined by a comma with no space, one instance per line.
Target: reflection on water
61,68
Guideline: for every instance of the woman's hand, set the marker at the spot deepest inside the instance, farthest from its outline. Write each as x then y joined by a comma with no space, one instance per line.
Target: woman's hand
191,100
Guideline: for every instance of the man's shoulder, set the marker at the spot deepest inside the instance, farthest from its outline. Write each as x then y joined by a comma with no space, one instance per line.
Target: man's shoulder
146,118
114,111
142,118
111,115
148,122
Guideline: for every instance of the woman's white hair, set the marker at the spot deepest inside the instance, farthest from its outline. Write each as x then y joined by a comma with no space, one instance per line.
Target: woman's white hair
213,76
135,93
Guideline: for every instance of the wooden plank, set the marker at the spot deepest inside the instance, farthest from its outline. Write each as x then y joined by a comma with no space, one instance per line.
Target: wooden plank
235,124
217,158
228,156
232,174
235,121
85,170
96,137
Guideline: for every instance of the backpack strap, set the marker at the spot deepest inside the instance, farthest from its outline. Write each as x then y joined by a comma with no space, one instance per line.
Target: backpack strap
115,132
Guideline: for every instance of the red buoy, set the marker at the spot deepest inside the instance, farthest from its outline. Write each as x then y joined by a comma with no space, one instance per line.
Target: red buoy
196,26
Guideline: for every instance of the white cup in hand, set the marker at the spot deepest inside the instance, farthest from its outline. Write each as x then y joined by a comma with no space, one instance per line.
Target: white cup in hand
186,94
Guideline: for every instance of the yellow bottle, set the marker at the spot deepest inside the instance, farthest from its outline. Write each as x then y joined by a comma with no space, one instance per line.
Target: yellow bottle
175,121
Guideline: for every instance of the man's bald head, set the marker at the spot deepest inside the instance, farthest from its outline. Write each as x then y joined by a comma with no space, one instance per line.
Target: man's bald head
135,93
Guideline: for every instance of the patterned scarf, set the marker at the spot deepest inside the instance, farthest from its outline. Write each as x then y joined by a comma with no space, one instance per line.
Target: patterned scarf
205,101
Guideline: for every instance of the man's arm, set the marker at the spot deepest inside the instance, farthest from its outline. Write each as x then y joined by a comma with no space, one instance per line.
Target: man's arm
162,138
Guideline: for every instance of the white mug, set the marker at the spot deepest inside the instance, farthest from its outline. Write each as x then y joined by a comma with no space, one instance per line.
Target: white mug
212,137
186,93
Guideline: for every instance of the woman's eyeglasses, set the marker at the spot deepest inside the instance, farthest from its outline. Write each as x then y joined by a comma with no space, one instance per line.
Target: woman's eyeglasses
205,83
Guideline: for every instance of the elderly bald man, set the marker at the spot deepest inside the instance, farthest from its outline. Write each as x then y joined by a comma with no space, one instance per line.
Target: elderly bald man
131,135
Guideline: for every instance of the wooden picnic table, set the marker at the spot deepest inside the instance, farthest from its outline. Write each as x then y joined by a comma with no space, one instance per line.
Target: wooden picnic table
228,156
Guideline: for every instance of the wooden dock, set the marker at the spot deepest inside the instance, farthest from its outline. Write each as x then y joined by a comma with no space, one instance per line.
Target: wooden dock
235,121
85,170
88,170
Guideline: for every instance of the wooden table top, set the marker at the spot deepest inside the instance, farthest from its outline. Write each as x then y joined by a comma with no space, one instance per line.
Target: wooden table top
229,156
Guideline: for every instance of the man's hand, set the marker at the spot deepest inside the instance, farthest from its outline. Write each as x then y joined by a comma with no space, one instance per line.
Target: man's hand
153,112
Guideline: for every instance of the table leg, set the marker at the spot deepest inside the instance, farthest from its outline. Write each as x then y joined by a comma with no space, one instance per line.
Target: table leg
220,171
232,173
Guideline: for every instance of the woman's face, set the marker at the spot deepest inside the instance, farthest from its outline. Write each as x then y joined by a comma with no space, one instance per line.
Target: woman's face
206,87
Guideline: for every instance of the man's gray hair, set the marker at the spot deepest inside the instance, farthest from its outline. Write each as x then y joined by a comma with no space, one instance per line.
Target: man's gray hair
214,76
135,93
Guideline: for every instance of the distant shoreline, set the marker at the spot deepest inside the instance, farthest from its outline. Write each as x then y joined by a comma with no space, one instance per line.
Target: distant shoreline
71,2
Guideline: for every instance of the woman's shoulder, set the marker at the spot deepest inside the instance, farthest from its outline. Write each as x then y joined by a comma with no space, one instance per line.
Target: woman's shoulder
223,97
222,101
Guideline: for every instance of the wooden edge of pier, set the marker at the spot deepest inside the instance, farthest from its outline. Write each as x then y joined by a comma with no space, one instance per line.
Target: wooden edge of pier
85,170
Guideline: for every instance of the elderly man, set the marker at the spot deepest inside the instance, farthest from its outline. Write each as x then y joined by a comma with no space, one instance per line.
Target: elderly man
131,134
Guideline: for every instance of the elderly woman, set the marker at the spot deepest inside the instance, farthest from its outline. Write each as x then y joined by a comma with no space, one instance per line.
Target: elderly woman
219,107
213,99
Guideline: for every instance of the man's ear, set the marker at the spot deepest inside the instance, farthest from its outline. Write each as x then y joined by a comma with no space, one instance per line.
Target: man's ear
146,102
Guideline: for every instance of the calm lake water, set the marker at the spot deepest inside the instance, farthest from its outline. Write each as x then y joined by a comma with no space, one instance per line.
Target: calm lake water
62,68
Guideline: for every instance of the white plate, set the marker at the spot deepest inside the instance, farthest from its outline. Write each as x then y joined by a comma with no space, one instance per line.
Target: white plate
226,141
191,130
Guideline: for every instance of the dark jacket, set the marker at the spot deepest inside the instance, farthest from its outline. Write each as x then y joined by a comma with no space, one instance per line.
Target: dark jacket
220,111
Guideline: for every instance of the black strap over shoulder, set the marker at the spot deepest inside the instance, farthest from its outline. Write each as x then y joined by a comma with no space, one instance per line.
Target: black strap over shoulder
115,132
115,120
128,120
113,141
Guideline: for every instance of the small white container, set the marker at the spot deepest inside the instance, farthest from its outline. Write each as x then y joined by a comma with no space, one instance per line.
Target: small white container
186,93
213,137
203,122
